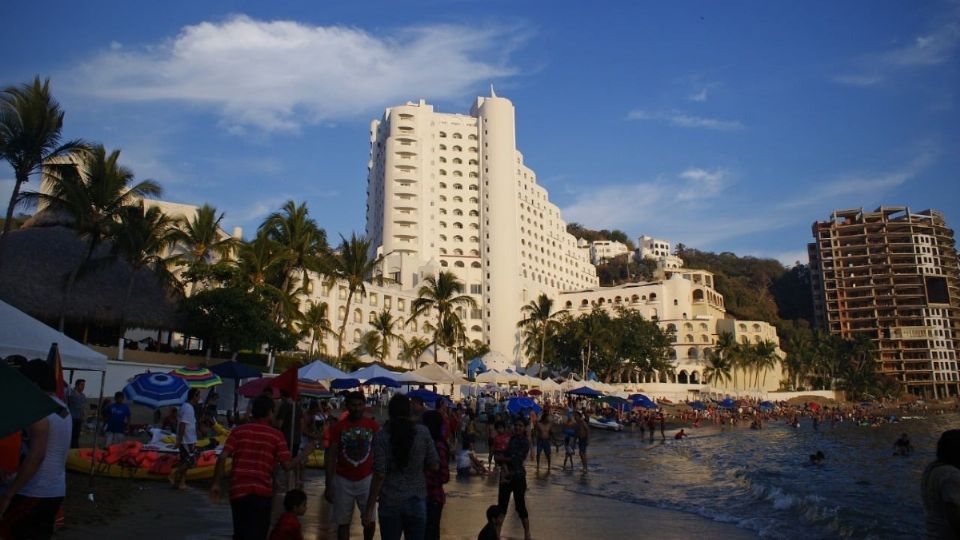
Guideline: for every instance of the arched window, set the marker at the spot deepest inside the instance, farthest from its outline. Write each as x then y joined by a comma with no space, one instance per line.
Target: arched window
443,198
458,186
653,297
457,212
474,213
473,187
676,302
356,335
443,147
568,305
472,162
443,224
457,136
474,264
443,134
357,316
443,264
584,303
634,299
705,338
617,300
457,225
412,325
457,149
474,252
458,264
692,352
458,198
672,328
443,251
341,312
682,377
443,172
698,295
475,240
457,173
457,160
372,316
443,211
688,327
443,237
689,338
474,200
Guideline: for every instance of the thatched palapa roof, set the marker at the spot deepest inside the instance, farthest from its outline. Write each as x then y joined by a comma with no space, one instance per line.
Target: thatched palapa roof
35,263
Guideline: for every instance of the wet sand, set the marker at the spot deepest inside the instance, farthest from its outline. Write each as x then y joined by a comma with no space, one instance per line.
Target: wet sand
152,510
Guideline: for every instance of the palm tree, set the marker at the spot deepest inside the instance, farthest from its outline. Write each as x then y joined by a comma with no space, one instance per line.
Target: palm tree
765,358
298,236
726,349
315,323
442,293
591,330
30,124
258,261
384,324
92,194
538,321
350,263
717,370
799,360
412,348
200,239
142,238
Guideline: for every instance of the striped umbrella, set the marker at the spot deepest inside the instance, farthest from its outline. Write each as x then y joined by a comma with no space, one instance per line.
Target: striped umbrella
156,390
197,377
312,389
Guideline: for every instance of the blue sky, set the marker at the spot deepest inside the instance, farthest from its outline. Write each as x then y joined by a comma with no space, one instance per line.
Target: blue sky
728,126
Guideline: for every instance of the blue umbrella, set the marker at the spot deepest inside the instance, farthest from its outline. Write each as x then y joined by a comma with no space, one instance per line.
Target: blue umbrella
584,391
640,400
232,369
698,406
727,404
516,405
157,390
382,381
341,384
766,405
429,398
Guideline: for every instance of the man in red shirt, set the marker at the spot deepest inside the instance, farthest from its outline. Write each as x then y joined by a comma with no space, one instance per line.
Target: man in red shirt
256,449
350,466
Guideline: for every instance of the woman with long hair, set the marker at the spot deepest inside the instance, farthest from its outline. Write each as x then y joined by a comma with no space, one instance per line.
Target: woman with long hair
402,451
436,479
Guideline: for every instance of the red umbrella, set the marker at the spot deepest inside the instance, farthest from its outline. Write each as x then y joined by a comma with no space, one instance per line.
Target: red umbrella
814,406
534,392
256,387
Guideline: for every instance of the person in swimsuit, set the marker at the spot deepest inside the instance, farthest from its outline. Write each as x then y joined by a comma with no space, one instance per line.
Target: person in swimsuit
543,439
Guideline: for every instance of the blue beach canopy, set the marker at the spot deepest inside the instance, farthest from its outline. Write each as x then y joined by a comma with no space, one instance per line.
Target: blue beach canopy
156,390
343,384
698,406
584,391
389,382
727,403
429,398
766,405
517,405
640,400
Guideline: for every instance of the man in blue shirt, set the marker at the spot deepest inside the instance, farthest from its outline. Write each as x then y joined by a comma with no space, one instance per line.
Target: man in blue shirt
118,416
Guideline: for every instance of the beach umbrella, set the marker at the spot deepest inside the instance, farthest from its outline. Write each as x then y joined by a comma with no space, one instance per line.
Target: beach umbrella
766,405
344,383
616,402
698,406
727,403
254,388
640,400
429,398
516,405
27,402
197,376
232,369
320,371
389,382
584,391
312,389
156,390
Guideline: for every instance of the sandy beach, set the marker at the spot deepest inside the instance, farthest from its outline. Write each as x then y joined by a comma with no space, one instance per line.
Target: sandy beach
151,510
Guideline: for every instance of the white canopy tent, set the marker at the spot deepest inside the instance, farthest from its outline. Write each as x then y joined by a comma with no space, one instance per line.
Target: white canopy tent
22,334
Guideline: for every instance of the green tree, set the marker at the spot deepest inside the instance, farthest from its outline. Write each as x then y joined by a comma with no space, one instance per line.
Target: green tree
92,195
234,318
315,323
30,124
385,326
718,369
142,238
592,329
538,321
302,243
350,263
442,294
765,359
411,350
201,243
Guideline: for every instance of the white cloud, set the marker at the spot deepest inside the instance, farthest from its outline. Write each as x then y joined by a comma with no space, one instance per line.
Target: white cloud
682,119
278,75
932,49
703,94
683,207
860,184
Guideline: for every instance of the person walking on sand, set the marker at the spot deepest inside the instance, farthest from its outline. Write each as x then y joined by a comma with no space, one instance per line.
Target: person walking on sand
436,497
31,501
940,489
76,402
350,466
256,448
515,480
186,439
402,451
583,437
544,430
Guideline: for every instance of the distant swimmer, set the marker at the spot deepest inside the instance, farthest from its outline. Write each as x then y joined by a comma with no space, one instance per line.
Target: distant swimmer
902,446
818,458
680,434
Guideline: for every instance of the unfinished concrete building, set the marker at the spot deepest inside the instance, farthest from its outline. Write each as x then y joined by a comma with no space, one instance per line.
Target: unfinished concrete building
892,275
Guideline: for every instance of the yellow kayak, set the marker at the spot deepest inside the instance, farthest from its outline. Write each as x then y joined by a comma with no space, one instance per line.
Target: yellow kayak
127,469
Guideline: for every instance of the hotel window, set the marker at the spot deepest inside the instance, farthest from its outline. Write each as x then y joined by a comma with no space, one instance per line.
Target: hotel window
457,160
458,239
356,335
343,293
401,304
357,316
443,147
341,313
443,135
457,136
457,149
372,316
373,299
387,302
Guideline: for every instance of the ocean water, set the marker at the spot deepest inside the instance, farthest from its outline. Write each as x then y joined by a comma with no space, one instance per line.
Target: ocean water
760,480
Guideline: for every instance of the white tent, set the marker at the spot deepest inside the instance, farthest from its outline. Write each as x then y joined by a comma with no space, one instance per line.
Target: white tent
22,334
320,371
439,375
373,370
412,378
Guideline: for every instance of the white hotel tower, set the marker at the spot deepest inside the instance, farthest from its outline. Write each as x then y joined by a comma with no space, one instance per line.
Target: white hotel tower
451,192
